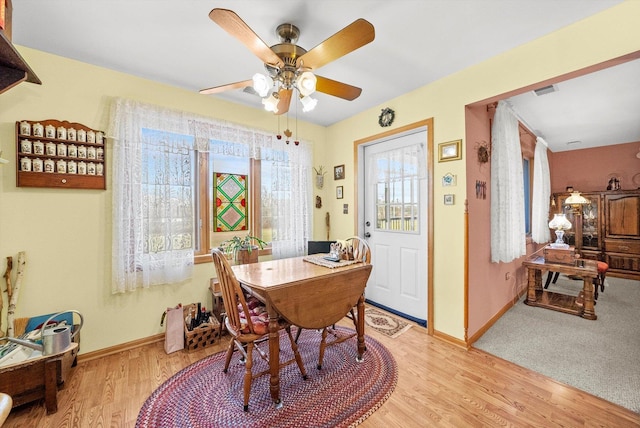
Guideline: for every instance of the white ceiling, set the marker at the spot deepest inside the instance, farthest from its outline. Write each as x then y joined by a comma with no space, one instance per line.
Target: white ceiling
597,109
417,42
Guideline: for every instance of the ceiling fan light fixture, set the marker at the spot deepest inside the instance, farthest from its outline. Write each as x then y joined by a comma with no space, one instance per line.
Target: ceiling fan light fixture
270,103
262,84
308,103
306,83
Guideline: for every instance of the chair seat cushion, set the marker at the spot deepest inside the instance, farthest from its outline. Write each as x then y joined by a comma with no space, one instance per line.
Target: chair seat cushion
602,267
258,315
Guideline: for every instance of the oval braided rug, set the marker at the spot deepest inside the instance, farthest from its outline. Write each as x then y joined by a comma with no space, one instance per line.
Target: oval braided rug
344,393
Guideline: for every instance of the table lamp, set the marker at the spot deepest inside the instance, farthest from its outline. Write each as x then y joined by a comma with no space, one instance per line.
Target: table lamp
576,201
560,223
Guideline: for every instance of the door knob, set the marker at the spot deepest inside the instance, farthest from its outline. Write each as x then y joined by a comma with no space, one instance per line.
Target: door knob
367,235
368,223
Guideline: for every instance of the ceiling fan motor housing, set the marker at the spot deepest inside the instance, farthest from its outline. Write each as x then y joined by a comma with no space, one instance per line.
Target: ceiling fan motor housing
288,53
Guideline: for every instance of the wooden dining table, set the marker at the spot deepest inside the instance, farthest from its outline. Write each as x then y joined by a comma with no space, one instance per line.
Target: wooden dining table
307,295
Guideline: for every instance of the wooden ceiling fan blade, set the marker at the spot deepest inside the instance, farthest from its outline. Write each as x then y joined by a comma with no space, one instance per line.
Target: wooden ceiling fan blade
353,36
284,97
228,87
337,89
235,26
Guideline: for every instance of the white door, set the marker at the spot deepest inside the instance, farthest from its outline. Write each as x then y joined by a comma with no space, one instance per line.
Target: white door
395,223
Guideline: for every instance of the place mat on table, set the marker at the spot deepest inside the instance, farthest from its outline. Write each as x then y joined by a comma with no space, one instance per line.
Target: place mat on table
319,259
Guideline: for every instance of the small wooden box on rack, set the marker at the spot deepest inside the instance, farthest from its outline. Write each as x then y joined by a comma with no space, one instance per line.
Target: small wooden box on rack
60,154
565,256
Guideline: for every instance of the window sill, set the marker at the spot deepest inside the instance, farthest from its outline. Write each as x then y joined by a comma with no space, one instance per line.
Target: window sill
206,258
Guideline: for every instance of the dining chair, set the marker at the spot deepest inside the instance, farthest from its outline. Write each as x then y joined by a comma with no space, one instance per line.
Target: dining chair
247,322
361,253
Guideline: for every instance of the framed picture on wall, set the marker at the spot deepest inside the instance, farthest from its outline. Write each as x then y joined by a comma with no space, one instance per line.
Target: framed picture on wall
449,151
338,172
338,192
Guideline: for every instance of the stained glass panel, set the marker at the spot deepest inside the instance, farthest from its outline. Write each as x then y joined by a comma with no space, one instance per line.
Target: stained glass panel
230,199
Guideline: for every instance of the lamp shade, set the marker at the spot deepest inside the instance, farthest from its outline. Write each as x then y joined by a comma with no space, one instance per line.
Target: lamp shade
262,84
576,199
306,83
308,103
560,222
270,103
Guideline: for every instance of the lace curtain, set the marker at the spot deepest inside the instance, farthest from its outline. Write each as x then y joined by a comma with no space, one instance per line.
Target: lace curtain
507,188
153,206
153,190
406,161
541,194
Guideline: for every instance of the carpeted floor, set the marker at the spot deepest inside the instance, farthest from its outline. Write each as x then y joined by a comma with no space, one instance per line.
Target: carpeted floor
601,357
343,393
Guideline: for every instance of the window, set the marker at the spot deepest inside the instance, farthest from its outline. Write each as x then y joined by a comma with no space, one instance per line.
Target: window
248,209
163,191
397,199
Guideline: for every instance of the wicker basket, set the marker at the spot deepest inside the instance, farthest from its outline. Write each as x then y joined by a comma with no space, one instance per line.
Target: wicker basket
202,336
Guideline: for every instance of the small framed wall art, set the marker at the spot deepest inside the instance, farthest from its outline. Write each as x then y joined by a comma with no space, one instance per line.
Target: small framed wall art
338,172
339,192
449,199
449,179
449,151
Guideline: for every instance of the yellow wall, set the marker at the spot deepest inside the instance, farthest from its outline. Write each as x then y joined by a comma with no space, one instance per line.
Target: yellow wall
608,35
67,233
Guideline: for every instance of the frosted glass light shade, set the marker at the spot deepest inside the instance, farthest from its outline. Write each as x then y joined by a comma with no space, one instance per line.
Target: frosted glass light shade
270,103
262,84
576,199
560,223
306,83
308,103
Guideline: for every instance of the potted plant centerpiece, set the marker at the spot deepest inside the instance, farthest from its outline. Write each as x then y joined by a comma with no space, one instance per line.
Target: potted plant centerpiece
242,250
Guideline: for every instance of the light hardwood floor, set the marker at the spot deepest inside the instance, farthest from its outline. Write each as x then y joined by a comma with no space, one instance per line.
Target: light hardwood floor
439,385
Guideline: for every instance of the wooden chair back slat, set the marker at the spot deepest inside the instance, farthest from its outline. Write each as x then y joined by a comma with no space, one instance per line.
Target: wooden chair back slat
232,294
361,250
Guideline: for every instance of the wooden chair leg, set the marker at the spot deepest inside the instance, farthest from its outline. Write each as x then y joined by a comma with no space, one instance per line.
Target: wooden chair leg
248,375
323,345
296,353
549,276
232,345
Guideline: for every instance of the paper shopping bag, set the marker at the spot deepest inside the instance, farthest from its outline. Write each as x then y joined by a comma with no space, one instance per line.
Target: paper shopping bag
174,335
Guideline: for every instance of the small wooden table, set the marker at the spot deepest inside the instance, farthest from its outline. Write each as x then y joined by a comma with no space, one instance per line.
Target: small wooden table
38,378
306,295
537,296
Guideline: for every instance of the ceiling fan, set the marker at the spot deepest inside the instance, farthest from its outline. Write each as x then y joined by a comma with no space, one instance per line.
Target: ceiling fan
290,66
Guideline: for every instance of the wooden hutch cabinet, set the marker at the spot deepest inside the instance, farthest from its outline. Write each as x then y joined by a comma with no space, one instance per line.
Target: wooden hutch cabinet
622,232
610,229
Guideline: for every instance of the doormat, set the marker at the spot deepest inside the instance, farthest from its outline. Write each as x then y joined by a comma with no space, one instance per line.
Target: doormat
385,323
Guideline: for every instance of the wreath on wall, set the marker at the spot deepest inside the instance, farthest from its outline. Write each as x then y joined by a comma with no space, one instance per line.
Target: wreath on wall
484,152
